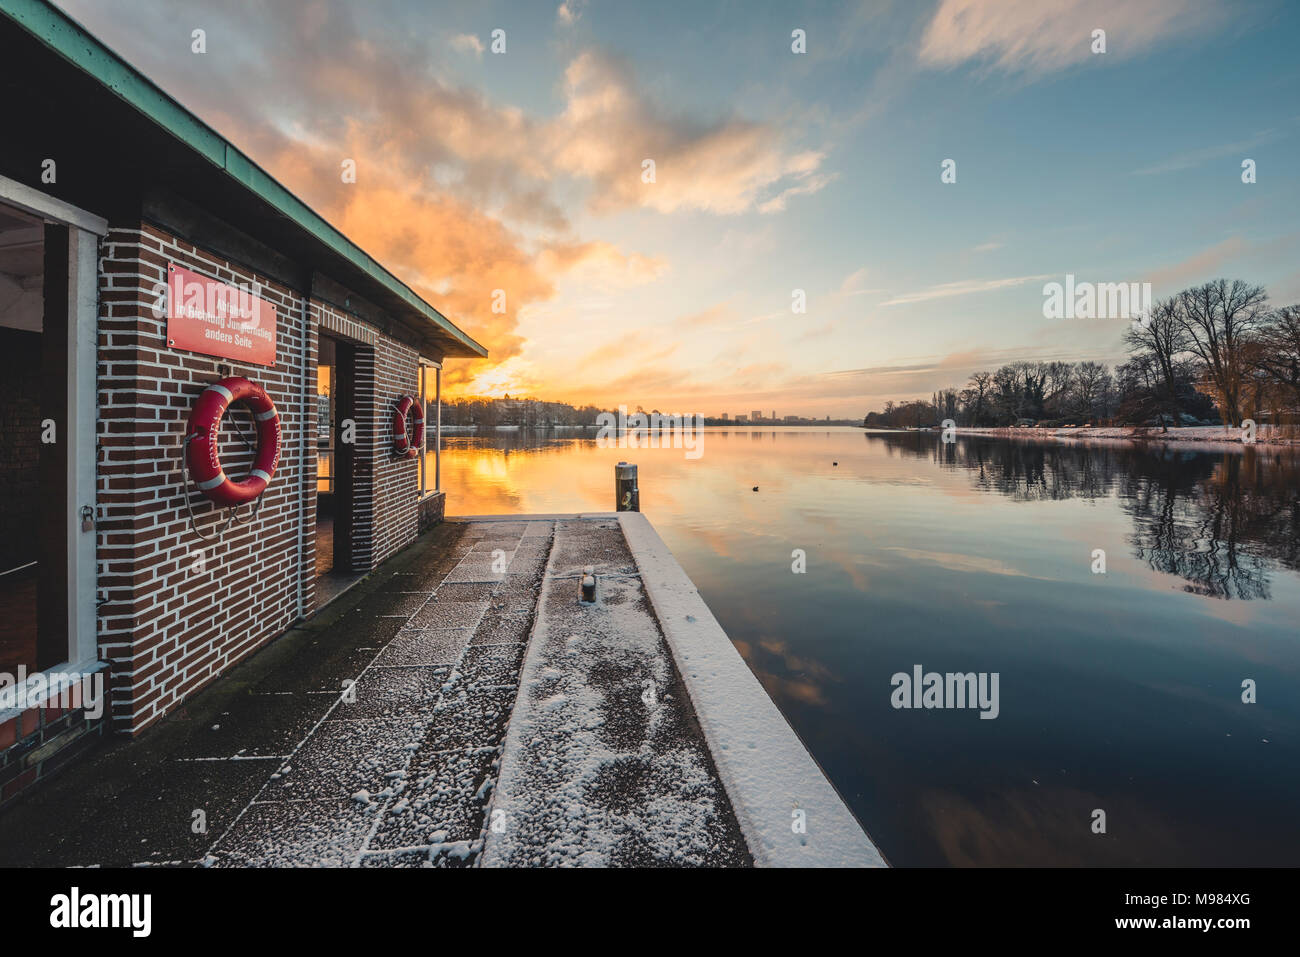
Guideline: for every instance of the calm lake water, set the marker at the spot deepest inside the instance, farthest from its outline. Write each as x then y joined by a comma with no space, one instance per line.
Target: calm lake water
1119,691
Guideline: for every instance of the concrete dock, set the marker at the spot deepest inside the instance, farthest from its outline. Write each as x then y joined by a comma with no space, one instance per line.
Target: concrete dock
462,706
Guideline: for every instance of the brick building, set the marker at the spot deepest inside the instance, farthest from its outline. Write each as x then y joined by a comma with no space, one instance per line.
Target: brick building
109,190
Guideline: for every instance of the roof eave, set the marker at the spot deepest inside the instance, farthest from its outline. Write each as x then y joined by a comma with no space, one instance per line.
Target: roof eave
73,43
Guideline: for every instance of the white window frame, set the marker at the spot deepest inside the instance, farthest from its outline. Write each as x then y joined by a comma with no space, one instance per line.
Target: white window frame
80,432
434,428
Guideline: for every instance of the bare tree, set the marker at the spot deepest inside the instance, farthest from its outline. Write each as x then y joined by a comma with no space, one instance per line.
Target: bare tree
1220,319
945,404
1031,381
1060,379
1159,342
979,387
1278,352
1091,388
1005,396
1137,383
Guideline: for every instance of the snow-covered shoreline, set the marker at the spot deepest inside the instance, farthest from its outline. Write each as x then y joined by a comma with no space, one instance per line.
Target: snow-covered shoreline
1209,436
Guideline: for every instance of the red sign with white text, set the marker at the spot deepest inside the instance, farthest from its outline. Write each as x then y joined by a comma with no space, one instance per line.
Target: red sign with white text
218,318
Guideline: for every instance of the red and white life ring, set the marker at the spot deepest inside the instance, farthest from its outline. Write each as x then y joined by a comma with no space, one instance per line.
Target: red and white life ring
404,446
201,441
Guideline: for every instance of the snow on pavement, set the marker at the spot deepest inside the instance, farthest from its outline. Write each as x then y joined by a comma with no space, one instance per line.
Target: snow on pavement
605,763
400,769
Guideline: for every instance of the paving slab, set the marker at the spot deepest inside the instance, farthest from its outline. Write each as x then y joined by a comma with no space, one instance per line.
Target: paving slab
388,691
298,834
474,569
439,614
469,719
345,758
256,725
442,802
492,665
421,646
502,629
466,591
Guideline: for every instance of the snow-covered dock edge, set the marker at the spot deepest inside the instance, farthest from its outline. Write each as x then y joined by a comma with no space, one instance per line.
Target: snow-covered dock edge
768,773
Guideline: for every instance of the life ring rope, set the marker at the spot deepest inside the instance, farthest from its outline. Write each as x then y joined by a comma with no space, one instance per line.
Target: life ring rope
232,519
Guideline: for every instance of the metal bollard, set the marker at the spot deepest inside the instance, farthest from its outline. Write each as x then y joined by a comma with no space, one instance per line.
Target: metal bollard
588,585
627,497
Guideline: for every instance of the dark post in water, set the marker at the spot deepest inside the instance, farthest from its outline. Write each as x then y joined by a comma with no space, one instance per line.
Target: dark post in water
627,497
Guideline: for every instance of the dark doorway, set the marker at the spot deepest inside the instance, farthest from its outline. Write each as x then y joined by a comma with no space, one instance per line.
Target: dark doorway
25,500
335,416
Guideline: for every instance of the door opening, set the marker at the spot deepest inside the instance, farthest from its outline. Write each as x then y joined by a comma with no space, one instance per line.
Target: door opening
335,417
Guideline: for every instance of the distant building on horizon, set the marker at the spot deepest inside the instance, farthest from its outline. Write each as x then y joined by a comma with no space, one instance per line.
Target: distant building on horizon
756,414
740,419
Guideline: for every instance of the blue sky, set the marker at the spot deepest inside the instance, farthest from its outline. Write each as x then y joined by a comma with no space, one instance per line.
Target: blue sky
775,171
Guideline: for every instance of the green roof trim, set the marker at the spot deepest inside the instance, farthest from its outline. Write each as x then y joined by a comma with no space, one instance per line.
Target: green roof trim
67,38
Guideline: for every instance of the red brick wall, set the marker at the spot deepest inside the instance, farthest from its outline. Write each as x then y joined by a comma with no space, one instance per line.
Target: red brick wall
396,480
179,611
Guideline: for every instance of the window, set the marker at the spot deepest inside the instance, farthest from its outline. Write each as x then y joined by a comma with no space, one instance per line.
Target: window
431,395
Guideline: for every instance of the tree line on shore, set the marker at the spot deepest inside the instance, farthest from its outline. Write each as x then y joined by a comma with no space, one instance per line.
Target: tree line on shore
524,413
1211,354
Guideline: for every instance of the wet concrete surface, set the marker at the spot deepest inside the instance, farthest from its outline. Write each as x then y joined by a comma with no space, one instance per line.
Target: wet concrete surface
373,735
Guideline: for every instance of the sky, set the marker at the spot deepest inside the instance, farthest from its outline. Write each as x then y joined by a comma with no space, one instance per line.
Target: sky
517,179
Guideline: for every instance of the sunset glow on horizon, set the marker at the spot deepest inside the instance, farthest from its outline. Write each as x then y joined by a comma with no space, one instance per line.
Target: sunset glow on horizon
501,150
